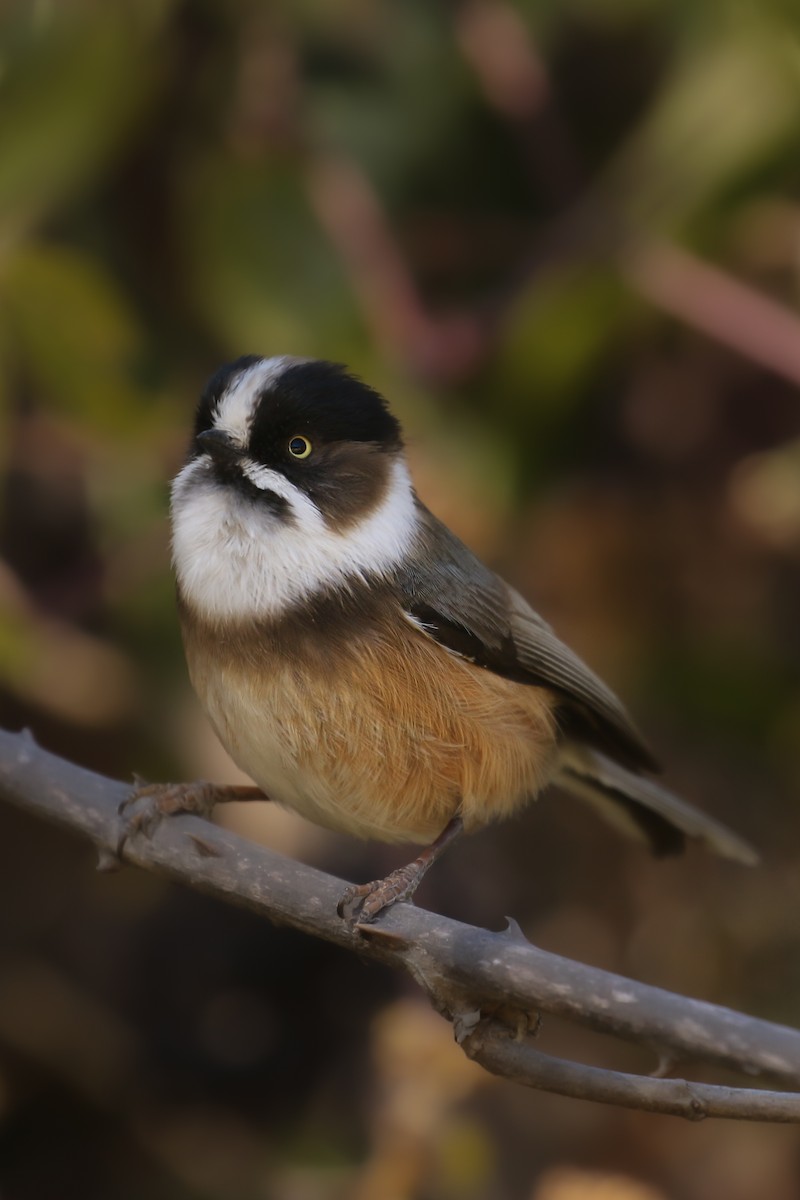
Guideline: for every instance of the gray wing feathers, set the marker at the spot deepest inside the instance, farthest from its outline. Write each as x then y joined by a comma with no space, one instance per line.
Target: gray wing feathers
548,657
509,637
474,613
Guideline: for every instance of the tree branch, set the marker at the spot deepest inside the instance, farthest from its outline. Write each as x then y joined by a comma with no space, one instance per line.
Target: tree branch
520,1062
467,972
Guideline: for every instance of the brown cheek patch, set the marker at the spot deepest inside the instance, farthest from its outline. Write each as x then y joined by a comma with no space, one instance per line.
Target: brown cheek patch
349,483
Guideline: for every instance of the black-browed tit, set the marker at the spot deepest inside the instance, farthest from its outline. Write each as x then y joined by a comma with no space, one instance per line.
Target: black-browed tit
356,659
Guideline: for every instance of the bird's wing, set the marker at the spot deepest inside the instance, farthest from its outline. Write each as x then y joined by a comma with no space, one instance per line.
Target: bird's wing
471,611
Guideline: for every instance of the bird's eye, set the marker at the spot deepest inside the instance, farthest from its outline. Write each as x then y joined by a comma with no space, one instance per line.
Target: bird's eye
299,447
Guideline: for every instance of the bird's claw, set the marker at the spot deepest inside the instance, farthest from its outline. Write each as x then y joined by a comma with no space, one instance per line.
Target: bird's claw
362,902
149,803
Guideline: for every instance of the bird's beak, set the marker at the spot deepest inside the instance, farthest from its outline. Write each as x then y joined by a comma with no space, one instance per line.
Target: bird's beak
220,445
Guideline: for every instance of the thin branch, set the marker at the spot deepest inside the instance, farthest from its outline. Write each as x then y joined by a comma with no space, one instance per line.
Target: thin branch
513,77
350,211
713,301
466,971
491,1046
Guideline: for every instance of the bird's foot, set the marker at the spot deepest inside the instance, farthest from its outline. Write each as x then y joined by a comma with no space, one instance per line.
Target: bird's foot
149,803
361,903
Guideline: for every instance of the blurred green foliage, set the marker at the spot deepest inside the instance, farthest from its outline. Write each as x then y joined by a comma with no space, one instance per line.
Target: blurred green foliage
563,239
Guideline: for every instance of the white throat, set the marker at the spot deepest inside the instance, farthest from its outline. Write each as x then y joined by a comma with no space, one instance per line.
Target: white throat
236,560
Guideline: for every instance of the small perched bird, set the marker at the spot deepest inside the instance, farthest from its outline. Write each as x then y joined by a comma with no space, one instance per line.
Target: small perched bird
357,661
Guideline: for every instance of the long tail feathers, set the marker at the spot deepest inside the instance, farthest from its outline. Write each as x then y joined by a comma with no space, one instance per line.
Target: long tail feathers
643,809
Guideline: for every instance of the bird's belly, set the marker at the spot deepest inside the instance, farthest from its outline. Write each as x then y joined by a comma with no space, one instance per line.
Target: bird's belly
386,739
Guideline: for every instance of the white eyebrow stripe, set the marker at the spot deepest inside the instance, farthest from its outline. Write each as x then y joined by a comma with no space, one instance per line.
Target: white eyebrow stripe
237,406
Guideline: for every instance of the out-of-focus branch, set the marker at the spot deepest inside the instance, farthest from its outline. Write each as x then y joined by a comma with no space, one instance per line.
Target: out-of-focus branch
349,210
703,296
487,983
591,222
515,82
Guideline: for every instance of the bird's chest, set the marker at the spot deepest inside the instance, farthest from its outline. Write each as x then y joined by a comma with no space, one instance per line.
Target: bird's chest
384,735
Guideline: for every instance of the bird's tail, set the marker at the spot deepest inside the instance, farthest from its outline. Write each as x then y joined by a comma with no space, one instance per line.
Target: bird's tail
642,808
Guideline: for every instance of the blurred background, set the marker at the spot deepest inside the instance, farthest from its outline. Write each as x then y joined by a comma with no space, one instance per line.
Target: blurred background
564,239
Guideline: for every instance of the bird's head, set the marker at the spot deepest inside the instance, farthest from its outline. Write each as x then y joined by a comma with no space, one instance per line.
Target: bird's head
295,482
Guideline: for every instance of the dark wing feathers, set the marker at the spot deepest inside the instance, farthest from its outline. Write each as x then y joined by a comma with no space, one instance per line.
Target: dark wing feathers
594,714
474,613
471,611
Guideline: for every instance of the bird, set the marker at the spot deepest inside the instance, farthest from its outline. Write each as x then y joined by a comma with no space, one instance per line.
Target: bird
357,661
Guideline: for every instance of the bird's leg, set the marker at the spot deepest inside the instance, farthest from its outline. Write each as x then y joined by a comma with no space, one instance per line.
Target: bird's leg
361,903
149,803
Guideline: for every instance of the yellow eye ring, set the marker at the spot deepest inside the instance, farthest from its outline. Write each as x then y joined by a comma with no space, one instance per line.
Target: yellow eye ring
299,447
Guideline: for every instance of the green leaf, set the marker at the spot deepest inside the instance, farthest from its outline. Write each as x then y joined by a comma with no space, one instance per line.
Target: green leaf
76,336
